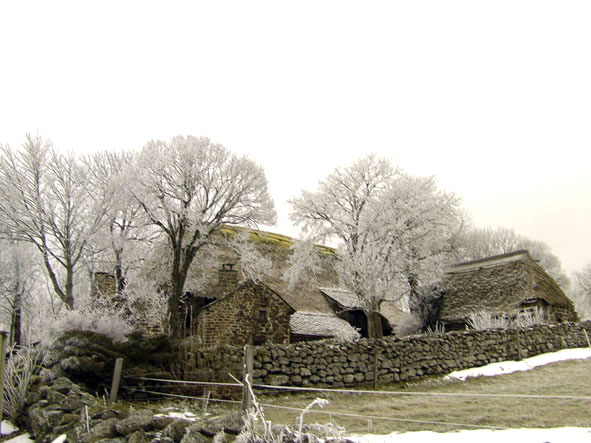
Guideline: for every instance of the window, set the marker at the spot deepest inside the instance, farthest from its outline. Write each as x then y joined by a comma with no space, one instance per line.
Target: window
262,315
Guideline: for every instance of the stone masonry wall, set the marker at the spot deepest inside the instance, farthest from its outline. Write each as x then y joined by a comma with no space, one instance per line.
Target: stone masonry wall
339,364
252,313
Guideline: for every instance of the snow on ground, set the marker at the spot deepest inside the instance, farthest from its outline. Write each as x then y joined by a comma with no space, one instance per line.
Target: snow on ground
556,435
187,416
7,428
507,367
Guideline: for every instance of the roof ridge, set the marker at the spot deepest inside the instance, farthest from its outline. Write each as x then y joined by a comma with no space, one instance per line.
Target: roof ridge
494,260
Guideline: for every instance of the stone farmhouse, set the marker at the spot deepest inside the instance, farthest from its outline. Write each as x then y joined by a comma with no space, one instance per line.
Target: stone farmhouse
503,285
230,309
233,310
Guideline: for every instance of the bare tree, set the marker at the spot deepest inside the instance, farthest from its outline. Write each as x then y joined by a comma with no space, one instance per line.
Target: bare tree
17,280
394,230
421,226
188,188
581,291
45,199
124,241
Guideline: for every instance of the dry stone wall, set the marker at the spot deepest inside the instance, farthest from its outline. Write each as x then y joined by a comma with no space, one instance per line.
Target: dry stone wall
340,364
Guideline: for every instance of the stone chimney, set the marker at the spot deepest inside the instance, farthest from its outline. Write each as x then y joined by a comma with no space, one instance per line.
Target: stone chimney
103,284
227,278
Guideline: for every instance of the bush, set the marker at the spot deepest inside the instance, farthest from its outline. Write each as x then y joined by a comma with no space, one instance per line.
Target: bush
101,317
489,320
20,368
530,318
409,324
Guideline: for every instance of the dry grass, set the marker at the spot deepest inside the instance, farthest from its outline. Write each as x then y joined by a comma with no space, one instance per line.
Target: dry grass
410,412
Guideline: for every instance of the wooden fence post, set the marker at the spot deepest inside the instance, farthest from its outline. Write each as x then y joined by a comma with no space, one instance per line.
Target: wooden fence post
247,377
3,342
116,380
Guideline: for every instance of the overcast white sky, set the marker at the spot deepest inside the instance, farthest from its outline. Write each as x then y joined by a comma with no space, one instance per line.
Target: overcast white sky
493,98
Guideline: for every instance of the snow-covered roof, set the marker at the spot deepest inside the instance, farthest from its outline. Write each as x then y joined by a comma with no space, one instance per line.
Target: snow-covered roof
344,297
321,325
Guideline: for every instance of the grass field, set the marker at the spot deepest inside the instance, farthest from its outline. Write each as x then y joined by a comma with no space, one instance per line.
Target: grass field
413,412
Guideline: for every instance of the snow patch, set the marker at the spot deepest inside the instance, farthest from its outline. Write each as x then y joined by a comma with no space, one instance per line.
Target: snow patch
7,428
508,367
554,435
188,416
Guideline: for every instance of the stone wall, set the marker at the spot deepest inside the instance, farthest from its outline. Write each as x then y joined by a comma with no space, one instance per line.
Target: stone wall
56,407
338,364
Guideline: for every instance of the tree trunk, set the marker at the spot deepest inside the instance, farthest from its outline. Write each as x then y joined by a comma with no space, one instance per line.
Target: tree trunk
16,324
174,300
16,320
180,268
374,325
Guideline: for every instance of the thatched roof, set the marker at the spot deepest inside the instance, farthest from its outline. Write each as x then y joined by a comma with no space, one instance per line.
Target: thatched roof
313,324
501,283
391,312
304,296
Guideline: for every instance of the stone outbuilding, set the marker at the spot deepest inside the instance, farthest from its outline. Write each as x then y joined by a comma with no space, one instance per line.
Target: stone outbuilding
252,313
347,307
503,285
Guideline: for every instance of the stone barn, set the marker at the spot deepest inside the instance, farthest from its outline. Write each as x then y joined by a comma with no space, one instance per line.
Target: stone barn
505,285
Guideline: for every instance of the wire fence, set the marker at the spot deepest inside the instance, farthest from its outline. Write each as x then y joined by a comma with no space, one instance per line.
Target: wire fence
164,384
331,413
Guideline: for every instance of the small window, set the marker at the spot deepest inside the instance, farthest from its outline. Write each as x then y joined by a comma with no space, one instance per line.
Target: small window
262,315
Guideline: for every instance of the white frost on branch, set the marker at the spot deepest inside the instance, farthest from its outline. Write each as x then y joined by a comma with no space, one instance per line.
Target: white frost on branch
395,231
254,265
188,188
303,264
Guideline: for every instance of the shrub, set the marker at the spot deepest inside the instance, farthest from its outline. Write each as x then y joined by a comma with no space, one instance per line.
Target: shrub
409,324
101,317
484,319
530,317
20,368
489,320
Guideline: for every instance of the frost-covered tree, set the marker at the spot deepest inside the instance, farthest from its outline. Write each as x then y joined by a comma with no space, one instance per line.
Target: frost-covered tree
46,200
485,242
581,291
124,241
188,188
18,275
395,231
254,265
303,262
420,227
